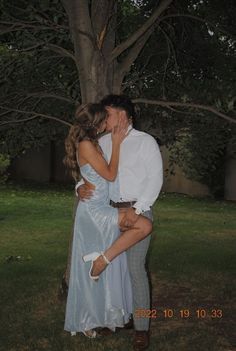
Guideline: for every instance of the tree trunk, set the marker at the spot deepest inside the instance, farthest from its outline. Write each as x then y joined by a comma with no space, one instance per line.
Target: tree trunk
230,175
93,35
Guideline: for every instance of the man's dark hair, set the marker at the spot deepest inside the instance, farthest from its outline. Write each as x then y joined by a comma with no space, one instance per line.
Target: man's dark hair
121,102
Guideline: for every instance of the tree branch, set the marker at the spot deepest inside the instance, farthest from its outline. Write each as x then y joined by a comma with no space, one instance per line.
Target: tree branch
102,13
34,115
168,105
125,64
79,18
18,26
205,21
136,35
55,48
169,45
61,51
53,96
29,48
167,62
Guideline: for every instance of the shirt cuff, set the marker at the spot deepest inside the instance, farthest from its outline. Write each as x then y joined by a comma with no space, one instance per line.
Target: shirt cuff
141,206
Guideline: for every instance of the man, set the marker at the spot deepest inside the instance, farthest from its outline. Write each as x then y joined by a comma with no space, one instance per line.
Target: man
135,189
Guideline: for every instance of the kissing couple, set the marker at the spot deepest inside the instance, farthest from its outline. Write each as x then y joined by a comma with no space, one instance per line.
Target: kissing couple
122,176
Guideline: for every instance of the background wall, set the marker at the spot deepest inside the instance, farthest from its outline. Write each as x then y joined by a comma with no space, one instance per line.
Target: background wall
46,165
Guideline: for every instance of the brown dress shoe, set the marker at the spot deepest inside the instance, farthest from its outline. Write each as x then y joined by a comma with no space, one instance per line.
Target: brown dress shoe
108,332
141,340
127,326
130,324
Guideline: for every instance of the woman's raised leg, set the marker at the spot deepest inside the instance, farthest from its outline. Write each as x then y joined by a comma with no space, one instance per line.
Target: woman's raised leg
128,238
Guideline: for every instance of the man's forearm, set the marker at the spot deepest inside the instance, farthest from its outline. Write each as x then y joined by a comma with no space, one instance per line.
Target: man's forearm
149,193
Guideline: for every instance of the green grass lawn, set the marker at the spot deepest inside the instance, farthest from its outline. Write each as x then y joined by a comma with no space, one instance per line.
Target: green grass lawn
191,266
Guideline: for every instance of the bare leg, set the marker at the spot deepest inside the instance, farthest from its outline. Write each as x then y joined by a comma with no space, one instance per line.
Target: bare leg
142,228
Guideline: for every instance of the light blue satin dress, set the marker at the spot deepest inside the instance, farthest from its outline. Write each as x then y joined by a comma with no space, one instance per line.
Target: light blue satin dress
108,302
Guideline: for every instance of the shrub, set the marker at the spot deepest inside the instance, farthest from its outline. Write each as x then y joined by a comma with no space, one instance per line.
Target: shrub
4,163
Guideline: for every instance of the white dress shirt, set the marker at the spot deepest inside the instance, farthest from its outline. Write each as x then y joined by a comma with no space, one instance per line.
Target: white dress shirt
140,173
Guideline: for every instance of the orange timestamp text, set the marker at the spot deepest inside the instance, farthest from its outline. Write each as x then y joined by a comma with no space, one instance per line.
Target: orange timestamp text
199,313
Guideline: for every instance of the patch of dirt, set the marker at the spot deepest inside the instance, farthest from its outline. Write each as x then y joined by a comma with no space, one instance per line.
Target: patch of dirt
182,305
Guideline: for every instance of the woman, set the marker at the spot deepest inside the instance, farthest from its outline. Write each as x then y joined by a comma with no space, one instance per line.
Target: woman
108,302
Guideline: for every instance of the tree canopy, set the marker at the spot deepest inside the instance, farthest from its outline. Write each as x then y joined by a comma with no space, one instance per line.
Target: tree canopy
175,59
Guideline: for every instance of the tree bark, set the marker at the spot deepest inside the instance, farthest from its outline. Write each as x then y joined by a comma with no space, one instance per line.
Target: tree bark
93,36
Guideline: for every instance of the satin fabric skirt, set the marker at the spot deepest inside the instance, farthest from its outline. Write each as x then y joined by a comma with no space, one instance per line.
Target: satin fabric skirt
108,302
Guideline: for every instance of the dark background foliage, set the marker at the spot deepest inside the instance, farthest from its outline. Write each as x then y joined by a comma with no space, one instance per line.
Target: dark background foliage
189,58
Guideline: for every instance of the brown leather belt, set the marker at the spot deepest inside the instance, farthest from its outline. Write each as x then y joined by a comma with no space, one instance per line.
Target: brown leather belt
122,204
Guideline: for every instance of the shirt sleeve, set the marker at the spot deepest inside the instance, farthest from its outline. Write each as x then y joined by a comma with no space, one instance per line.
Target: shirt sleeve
152,161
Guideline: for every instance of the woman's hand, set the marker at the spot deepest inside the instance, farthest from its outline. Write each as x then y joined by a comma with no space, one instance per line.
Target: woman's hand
119,132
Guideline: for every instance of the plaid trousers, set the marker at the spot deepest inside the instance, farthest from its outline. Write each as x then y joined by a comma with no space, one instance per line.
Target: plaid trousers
136,256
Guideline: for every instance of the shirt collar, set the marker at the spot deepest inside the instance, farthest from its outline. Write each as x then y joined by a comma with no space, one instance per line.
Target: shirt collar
130,127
